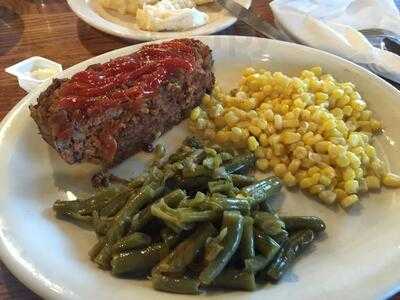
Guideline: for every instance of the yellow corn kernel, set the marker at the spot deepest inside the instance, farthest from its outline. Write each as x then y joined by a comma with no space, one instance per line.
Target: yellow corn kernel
274,161
347,110
321,97
328,197
337,93
248,71
349,201
351,186
316,189
290,137
358,105
322,147
206,99
294,165
254,130
375,125
259,153
262,164
313,170
391,180
315,178
370,151
342,102
269,153
280,169
222,137
269,115
373,182
278,122
195,114
300,153
349,174
289,180
342,161
279,149
262,124
263,138
325,180
378,167
316,70
306,183
237,131
252,143
340,194
231,118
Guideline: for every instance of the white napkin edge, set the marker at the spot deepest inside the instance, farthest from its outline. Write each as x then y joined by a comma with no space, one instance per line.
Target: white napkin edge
381,62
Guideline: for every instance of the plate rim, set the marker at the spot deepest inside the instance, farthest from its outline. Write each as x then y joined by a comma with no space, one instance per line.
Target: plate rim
148,36
13,260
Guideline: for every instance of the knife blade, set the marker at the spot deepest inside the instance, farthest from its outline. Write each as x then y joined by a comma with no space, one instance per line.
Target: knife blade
258,24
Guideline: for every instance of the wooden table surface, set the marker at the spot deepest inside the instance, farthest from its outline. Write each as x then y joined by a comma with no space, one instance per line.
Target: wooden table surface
48,28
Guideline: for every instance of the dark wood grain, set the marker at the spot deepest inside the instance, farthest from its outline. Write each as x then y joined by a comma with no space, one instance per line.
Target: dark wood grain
48,28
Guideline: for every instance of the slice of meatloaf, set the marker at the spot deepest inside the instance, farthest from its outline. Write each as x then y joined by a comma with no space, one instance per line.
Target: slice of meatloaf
110,111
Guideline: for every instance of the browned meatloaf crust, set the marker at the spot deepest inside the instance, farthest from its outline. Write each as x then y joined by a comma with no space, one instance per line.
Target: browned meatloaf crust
119,131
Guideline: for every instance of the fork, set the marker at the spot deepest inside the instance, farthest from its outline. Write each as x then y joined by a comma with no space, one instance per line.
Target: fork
383,39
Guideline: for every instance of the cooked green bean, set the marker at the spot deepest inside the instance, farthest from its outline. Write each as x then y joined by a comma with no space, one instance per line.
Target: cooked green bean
102,226
266,245
138,262
181,217
268,223
296,223
255,264
145,216
222,203
137,182
193,142
122,219
114,206
290,250
265,206
247,242
263,190
171,238
95,250
185,252
240,164
135,240
221,186
235,279
182,285
86,221
87,206
190,184
242,180
233,221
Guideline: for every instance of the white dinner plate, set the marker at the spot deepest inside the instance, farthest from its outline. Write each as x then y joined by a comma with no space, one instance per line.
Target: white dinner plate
125,26
358,258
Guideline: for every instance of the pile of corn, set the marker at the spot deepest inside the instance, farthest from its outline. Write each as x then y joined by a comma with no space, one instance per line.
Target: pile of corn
311,131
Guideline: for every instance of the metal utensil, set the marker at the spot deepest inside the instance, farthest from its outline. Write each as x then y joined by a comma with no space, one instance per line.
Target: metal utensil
253,21
383,39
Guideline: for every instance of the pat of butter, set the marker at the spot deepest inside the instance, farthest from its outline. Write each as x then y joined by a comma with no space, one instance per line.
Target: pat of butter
174,15
43,73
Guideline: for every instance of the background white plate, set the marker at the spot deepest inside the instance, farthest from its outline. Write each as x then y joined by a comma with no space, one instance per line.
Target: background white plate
359,258
125,26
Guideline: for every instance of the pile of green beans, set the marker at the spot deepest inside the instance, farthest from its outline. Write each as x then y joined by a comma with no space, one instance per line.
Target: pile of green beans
191,221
